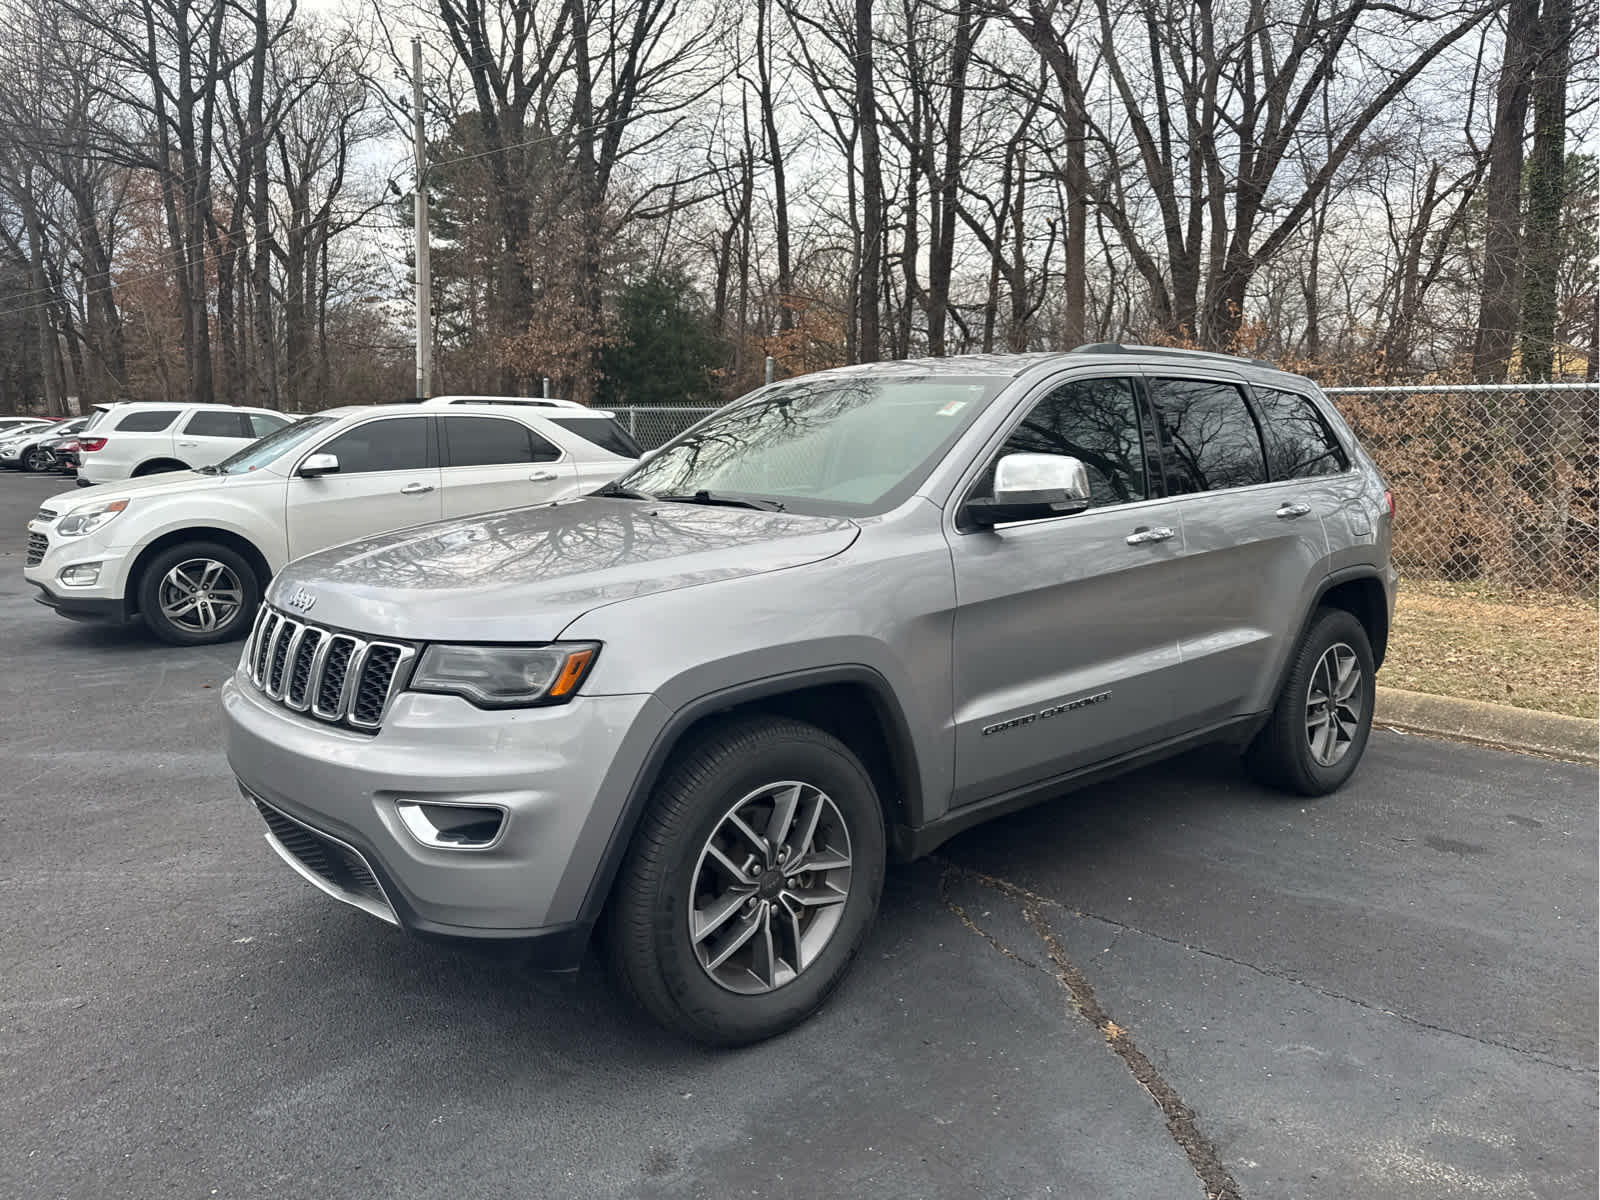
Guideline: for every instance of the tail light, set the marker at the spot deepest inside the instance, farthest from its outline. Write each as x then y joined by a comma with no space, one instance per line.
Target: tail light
91,444
1388,501
66,447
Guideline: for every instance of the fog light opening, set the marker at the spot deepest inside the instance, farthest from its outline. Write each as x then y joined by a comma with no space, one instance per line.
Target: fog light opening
81,575
452,826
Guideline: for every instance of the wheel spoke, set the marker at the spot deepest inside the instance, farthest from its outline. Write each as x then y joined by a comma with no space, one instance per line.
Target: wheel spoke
783,810
208,574
757,842
743,934
764,956
815,897
823,859
182,607
807,829
739,874
1326,739
789,924
712,918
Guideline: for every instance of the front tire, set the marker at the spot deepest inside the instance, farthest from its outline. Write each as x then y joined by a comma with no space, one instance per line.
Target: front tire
1318,730
35,460
197,593
751,882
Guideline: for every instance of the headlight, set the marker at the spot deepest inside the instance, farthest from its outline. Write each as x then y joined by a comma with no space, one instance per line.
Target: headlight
89,518
505,676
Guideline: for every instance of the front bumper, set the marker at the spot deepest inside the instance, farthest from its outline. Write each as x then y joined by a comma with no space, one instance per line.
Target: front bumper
548,768
106,599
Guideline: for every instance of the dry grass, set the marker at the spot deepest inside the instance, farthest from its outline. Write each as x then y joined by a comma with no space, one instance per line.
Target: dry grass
1530,649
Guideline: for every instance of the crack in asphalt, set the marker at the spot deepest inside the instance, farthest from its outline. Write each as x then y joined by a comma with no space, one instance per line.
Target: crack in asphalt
1020,893
1180,1118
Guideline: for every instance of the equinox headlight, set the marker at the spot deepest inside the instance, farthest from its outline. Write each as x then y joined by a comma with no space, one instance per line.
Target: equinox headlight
89,518
505,676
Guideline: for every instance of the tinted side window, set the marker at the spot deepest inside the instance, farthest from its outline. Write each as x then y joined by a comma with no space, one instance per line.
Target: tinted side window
602,431
1095,421
488,441
261,424
400,444
1299,442
146,422
1209,436
212,423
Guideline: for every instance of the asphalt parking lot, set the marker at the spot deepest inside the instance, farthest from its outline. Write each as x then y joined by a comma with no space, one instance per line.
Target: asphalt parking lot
1174,985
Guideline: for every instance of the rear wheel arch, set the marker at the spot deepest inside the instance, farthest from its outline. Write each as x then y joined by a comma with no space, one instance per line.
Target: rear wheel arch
1362,596
159,466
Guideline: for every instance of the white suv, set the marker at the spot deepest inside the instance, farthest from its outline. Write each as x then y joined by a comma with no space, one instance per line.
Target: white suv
147,439
192,552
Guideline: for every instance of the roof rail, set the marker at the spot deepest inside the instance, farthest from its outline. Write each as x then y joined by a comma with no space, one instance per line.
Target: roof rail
1167,352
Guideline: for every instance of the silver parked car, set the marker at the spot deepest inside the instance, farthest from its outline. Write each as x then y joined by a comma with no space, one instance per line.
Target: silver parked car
835,623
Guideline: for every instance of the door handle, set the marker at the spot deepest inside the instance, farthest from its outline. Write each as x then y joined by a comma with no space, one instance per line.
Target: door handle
543,477
416,489
1296,509
188,443
1144,535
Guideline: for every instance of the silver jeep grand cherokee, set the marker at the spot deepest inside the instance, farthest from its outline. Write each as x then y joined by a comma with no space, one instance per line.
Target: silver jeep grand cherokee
839,620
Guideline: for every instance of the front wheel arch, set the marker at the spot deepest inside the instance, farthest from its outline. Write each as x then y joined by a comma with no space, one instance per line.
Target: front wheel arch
239,544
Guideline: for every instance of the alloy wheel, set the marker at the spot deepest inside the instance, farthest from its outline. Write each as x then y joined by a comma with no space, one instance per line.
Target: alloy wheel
1334,704
200,595
769,888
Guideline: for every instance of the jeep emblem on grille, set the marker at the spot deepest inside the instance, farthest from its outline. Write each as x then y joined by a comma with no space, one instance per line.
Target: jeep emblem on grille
302,600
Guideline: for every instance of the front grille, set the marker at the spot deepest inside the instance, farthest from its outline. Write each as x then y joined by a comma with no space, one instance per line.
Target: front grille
46,514
37,545
328,859
333,676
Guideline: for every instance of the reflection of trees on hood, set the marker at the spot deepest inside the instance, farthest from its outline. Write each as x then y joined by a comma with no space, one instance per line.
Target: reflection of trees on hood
560,540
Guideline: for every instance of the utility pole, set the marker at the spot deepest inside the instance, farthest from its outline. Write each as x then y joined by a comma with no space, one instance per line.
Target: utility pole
424,276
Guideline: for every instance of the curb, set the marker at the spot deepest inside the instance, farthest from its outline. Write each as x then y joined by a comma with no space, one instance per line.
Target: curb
1498,725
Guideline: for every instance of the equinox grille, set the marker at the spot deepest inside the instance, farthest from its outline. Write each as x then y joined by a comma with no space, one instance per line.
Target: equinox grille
332,676
37,545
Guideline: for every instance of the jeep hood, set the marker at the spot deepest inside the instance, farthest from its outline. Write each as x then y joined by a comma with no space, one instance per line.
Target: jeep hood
526,574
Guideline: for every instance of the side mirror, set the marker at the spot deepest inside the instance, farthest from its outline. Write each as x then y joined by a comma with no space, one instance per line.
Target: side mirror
319,464
1030,486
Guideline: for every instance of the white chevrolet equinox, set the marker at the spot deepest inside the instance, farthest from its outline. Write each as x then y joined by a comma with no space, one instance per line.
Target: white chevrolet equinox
192,551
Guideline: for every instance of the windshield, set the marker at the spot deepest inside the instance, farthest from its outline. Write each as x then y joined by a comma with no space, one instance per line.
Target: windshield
852,445
277,443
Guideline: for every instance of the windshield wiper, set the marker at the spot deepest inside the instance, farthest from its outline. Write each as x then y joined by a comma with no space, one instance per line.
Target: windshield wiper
617,492
725,501
208,470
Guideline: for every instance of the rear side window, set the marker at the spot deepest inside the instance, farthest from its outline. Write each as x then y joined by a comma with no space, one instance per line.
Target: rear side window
1095,421
1299,443
400,444
1209,439
146,422
261,424
601,431
210,422
492,441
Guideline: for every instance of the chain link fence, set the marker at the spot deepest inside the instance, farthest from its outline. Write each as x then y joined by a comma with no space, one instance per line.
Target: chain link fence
1492,482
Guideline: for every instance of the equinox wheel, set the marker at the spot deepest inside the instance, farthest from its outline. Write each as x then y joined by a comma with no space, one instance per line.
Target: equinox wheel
198,593
1318,730
751,882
